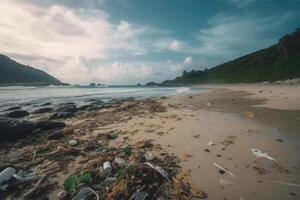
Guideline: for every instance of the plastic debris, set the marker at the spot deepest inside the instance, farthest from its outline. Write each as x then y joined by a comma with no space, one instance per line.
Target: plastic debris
61,195
85,193
120,162
225,182
287,183
159,170
211,143
139,196
10,173
27,178
72,182
110,179
249,114
222,168
73,142
260,154
107,167
5,176
149,156
83,155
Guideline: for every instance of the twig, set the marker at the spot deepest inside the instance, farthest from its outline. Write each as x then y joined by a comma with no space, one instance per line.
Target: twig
33,158
32,190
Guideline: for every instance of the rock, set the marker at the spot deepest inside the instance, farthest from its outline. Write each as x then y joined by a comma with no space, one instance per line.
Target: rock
68,108
73,142
61,115
88,107
49,125
17,114
120,162
14,129
42,110
56,135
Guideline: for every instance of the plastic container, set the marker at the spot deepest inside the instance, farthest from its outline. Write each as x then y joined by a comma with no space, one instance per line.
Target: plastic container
107,167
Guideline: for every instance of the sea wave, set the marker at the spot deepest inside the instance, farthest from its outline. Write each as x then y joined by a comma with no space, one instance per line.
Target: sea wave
182,90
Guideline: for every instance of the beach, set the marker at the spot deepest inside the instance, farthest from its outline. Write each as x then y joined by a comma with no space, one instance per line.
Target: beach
214,135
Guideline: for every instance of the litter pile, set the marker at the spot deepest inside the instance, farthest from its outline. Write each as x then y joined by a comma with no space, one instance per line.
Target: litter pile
140,171
78,163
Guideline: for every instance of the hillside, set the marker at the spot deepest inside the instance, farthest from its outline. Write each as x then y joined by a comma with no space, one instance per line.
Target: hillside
13,73
277,62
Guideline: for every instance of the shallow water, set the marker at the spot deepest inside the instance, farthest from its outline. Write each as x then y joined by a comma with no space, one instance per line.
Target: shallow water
17,95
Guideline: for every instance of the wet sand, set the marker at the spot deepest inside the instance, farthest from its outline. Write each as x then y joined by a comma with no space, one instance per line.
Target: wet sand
192,121
204,130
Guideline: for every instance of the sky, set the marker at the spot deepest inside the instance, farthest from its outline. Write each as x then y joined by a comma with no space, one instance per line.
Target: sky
137,41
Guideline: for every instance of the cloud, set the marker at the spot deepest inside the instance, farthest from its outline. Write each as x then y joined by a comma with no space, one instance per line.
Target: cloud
175,45
80,44
55,36
229,36
114,72
188,60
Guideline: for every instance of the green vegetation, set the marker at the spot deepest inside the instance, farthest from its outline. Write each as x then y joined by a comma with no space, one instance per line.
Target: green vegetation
72,183
278,62
13,73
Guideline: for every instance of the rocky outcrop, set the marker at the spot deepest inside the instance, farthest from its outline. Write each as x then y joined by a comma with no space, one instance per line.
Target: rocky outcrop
42,110
17,114
13,129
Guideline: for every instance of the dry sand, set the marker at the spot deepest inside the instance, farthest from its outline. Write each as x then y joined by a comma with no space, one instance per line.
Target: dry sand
193,121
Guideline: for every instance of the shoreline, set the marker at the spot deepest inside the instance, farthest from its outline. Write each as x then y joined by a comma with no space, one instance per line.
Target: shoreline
204,130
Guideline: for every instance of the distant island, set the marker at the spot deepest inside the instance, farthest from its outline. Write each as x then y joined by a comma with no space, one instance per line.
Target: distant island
280,61
13,73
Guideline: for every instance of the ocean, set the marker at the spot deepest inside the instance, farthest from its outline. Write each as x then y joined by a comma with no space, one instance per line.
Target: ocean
18,95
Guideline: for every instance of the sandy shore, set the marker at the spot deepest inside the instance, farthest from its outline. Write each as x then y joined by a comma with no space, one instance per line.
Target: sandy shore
207,131
194,121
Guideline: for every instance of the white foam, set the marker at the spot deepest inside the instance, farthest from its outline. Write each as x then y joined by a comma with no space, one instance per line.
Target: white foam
182,90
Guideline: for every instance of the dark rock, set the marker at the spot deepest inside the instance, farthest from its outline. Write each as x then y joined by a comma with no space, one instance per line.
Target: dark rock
42,110
206,150
61,115
13,108
17,114
56,135
49,125
13,129
68,108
